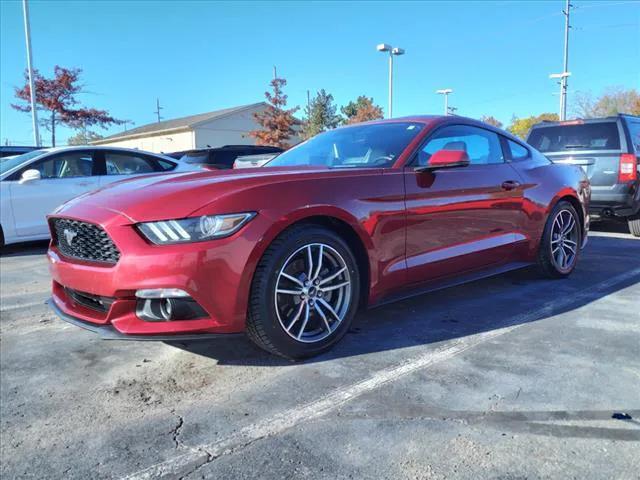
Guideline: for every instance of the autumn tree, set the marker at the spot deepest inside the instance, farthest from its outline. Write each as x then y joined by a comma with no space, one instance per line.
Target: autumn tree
491,121
320,115
520,126
84,137
613,101
57,97
276,121
362,110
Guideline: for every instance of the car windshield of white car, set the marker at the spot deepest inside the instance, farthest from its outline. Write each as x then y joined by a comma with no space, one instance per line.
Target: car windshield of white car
363,146
9,163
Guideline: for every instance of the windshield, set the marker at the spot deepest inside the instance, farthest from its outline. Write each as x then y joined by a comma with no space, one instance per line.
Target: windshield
587,136
9,163
364,146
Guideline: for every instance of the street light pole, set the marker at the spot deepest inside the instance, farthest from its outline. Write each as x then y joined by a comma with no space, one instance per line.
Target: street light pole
563,92
445,92
32,90
383,47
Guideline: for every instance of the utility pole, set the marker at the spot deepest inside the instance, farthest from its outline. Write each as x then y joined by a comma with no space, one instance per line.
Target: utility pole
32,89
275,72
158,108
564,79
308,102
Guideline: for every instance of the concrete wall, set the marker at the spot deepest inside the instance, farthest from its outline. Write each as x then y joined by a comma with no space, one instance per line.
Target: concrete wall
163,143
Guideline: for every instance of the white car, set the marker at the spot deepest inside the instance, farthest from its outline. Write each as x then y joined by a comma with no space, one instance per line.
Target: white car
253,161
35,183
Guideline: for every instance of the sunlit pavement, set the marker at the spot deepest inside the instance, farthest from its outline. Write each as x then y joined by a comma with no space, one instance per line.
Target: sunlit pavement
510,377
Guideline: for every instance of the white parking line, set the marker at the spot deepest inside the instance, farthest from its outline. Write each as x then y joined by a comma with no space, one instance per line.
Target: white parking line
278,423
6,308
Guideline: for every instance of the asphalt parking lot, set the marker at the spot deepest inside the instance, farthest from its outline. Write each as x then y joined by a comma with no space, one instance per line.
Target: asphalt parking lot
510,377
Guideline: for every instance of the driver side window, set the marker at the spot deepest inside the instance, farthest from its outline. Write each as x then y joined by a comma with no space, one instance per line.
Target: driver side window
482,146
66,165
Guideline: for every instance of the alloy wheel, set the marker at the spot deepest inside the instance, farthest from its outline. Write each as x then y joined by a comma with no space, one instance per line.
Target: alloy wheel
564,240
313,293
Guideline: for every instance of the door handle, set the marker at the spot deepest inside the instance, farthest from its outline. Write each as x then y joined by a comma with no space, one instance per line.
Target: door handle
510,184
83,184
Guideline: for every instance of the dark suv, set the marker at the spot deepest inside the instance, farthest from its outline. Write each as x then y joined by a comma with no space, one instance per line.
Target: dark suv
223,157
608,150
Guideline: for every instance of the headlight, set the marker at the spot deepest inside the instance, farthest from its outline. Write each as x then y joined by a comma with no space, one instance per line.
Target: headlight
194,229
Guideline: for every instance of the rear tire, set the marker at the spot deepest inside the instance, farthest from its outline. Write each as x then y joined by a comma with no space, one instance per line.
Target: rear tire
634,225
561,240
318,304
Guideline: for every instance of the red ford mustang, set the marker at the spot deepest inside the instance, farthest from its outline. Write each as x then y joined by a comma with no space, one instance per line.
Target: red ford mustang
354,217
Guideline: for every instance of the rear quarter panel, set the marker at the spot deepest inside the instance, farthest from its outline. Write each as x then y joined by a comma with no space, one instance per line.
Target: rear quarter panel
545,184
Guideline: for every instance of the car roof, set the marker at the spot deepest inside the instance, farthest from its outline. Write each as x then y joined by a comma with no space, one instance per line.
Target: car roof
581,121
72,148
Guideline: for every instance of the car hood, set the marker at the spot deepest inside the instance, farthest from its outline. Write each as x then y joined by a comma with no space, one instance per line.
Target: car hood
166,196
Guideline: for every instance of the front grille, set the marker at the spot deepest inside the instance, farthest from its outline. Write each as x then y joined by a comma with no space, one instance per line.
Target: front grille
84,241
94,302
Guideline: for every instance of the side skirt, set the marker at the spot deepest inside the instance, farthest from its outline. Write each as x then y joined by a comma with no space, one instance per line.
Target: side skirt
435,285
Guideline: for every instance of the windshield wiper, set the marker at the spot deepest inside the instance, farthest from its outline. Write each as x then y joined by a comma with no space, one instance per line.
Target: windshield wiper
576,146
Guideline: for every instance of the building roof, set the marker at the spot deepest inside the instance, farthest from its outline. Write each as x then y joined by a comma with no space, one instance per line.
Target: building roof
176,124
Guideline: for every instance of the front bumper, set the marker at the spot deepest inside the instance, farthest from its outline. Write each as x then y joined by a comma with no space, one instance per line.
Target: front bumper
216,274
108,332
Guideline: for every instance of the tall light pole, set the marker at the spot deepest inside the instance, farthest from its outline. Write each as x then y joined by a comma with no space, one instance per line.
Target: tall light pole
445,92
32,89
563,93
383,47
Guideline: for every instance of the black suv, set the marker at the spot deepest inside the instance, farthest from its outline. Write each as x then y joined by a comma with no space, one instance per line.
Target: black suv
608,150
223,157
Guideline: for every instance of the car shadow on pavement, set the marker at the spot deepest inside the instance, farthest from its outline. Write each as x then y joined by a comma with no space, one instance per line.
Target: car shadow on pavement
506,300
25,249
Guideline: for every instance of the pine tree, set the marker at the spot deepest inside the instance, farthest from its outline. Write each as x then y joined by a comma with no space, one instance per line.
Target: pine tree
320,115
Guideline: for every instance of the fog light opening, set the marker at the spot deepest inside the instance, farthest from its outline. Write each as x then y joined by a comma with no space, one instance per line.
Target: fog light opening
161,308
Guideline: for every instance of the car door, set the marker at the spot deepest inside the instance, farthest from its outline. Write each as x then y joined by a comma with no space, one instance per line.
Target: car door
115,165
461,219
63,176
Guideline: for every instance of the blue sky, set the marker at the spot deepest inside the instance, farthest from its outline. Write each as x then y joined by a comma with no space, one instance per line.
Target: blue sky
198,56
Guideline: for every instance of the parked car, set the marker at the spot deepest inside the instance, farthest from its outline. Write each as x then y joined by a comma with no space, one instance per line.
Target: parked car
13,150
608,149
33,184
354,217
253,161
223,157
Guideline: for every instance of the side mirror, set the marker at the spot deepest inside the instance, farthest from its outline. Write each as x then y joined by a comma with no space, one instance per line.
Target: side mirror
30,175
446,159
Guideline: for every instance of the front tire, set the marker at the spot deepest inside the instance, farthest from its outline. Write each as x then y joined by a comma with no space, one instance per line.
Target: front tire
304,293
561,240
634,225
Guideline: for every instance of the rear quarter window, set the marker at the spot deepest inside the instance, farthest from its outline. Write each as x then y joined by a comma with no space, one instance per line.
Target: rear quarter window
586,136
634,133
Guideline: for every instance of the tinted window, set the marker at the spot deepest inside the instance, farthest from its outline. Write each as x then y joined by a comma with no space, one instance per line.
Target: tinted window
587,136
166,165
518,152
126,164
66,165
363,146
634,131
482,146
